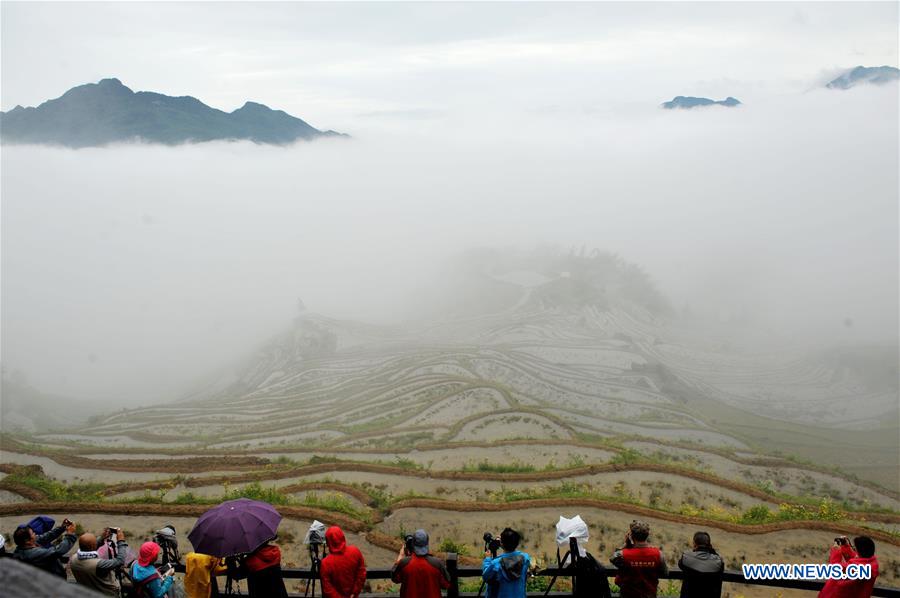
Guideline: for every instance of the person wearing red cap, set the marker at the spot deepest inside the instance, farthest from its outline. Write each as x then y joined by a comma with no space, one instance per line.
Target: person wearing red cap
343,569
148,582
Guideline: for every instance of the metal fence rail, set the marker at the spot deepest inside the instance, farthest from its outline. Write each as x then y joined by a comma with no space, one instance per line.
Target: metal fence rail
457,573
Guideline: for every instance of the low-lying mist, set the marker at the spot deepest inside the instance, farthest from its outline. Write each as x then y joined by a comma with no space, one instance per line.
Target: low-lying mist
130,272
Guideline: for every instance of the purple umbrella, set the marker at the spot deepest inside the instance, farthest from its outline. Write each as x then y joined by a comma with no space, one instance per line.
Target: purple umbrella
234,527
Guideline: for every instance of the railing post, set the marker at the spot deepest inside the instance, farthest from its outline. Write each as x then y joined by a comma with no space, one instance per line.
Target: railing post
453,570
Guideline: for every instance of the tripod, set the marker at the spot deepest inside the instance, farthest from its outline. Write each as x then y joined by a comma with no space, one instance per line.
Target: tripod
572,556
168,541
233,566
314,569
112,552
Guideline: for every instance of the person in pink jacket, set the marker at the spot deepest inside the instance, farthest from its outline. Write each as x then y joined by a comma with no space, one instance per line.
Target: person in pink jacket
842,552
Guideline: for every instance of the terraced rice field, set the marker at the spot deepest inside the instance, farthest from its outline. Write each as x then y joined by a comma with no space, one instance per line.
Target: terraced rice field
513,417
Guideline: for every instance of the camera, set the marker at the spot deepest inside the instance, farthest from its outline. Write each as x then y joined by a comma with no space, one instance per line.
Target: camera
841,541
66,522
491,543
167,539
115,530
315,535
408,543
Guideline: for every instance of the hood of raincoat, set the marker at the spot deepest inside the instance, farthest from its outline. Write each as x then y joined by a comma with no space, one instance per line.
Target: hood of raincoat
266,556
335,539
513,565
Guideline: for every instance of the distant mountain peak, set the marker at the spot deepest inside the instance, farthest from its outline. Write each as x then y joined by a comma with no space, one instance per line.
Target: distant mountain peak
875,75
108,111
111,82
695,102
248,105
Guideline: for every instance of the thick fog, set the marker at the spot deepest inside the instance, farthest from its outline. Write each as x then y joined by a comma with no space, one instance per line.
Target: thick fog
132,272
136,269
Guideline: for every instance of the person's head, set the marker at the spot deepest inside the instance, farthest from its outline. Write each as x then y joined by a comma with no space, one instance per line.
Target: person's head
334,538
509,539
639,530
865,546
420,542
702,540
147,555
87,542
24,536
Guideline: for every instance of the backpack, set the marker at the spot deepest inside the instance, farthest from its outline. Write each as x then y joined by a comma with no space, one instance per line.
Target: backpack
137,588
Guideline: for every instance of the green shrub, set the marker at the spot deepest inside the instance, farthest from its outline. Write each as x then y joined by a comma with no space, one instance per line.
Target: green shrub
449,545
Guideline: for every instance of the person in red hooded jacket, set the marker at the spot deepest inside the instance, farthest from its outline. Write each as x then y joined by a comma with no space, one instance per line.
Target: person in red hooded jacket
842,553
343,569
262,568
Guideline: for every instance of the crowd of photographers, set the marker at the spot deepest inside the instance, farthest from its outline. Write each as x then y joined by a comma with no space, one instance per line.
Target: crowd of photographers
101,563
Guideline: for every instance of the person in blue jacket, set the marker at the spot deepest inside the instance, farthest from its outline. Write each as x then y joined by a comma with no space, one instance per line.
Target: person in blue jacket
148,582
506,574
29,547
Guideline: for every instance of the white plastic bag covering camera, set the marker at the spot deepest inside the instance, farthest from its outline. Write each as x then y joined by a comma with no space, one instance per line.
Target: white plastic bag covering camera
316,533
572,528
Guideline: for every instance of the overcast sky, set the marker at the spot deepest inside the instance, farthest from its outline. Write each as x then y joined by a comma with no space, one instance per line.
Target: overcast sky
355,67
131,271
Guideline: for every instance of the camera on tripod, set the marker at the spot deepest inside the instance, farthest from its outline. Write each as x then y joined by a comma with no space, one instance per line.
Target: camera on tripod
491,544
315,537
168,542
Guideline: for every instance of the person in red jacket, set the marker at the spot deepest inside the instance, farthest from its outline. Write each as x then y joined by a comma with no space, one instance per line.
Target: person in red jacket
842,552
343,569
640,564
420,574
262,568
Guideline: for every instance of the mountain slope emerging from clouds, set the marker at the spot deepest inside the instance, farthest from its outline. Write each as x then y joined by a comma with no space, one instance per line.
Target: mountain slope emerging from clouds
877,75
97,114
692,102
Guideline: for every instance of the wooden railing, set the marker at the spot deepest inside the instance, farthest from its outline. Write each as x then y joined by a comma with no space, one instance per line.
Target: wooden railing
458,573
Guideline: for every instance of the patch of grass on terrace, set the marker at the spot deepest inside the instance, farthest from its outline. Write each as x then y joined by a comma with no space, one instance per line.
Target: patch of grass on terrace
56,490
256,491
451,545
827,510
628,456
333,501
563,490
485,466
401,462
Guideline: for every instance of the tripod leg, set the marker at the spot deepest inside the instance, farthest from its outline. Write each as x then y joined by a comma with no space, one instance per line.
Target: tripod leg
559,564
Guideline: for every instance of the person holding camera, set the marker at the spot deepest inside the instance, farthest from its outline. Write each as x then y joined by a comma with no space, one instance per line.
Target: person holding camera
640,564
506,574
343,570
96,573
419,573
148,581
842,553
702,568
29,549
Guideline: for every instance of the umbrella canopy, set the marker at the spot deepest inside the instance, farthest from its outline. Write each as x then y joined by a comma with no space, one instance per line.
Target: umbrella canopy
234,527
